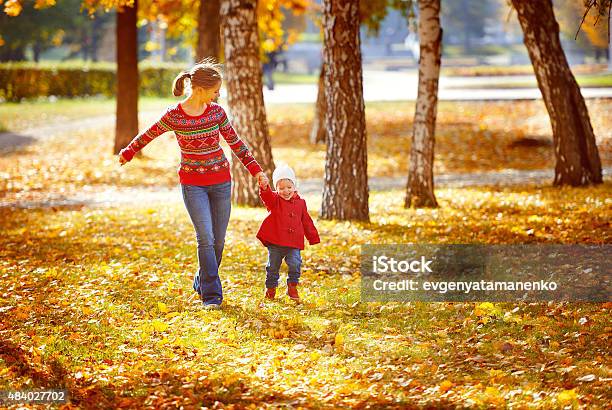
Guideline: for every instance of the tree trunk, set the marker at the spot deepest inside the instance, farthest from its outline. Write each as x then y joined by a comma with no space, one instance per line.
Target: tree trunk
420,187
609,44
245,93
96,28
209,32
467,36
577,158
345,190
85,43
126,126
36,51
317,133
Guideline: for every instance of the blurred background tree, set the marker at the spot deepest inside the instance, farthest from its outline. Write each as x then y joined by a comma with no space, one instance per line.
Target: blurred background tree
467,20
41,28
593,35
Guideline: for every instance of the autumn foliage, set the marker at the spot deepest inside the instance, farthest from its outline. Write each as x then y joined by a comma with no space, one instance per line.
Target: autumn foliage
98,300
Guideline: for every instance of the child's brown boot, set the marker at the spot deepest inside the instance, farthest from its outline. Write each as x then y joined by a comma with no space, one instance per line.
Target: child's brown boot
270,293
292,291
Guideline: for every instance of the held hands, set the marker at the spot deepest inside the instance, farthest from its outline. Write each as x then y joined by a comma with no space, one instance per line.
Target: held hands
262,180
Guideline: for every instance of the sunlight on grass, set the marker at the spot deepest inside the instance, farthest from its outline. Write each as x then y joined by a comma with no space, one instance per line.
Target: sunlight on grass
100,299
281,77
115,283
584,81
471,137
31,114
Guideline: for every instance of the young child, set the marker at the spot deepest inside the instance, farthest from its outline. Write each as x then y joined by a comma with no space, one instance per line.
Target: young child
283,230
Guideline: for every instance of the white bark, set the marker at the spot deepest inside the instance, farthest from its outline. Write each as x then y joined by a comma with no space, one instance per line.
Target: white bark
420,190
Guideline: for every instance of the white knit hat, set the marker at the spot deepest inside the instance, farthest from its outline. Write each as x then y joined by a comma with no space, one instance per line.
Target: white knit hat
283,171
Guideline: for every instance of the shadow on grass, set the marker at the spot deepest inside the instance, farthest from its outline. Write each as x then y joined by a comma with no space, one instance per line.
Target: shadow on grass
54,376
11,142
162,388
96,395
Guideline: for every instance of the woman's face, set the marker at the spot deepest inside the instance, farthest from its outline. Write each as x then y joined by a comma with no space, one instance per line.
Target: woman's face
208,95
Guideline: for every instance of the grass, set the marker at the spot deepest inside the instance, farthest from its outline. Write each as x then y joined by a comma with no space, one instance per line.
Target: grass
30,114
595,80
454,51
280,77
35,113
82,64
310,37
585,81
487,70
470,137
98,301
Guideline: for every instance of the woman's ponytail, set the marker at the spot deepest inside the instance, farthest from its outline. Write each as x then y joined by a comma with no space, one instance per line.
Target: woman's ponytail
178,87
206,74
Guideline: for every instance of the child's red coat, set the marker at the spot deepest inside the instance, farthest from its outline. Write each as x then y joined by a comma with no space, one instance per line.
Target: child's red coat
288,221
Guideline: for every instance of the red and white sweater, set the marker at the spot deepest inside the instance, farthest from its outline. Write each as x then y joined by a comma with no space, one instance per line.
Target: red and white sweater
202,159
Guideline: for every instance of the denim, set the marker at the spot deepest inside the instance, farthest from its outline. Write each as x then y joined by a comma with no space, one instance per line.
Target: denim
292,258
209,208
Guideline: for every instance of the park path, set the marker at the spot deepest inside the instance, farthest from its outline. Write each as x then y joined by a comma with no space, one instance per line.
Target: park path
377,86
403,86
112,196
13,140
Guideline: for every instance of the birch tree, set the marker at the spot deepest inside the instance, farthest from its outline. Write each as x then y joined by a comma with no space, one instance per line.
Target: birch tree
420,186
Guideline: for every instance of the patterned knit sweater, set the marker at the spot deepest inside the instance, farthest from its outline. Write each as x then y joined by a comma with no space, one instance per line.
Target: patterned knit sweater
202,159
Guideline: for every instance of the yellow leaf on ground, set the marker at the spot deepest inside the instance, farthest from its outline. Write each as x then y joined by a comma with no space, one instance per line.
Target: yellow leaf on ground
493,396
488,309
21,313
163,342
445,386
315,356
159,326
567,397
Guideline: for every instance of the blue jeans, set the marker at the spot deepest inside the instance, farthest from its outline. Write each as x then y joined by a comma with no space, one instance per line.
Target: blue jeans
293,259
209,208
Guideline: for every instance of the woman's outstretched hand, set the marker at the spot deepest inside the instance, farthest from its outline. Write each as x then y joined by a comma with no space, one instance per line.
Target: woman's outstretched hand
122,160
262,180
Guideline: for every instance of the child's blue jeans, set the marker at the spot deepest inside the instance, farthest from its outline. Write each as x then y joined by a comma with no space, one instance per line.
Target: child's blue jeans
292,258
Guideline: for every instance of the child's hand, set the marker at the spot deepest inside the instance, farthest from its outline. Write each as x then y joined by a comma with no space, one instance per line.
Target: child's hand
262,180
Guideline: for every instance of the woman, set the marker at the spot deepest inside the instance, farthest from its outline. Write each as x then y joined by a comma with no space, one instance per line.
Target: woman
204,172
